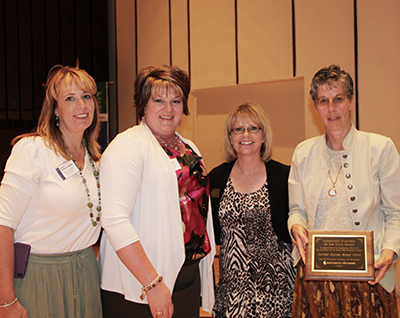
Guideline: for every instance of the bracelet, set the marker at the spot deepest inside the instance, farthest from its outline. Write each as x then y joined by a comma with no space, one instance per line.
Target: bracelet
9,304
153,284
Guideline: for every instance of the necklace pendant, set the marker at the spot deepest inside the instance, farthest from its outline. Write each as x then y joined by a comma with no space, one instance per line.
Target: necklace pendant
332,192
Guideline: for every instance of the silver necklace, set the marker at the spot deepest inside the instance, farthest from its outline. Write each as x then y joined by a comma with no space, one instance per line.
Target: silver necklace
94,220
253,184
332,191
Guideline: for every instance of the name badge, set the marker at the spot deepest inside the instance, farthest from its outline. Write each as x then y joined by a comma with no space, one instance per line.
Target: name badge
175,164
67,169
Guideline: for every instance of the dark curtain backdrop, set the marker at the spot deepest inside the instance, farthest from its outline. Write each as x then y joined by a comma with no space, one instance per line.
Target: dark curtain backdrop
34,36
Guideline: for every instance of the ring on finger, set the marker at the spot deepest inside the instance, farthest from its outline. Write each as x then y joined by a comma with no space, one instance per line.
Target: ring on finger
158,312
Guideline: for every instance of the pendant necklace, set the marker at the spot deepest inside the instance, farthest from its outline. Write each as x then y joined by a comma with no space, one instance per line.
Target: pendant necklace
253,184
94,220
332,191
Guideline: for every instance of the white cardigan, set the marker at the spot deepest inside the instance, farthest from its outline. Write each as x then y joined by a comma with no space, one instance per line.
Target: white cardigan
140,201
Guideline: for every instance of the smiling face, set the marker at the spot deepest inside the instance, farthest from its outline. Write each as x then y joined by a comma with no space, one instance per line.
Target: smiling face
75,109
246,144
164,113
334,115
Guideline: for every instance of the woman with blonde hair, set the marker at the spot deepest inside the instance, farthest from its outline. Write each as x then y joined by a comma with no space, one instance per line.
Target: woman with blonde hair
50,201
249,197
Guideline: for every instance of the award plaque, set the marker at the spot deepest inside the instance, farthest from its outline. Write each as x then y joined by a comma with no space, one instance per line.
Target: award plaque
340,255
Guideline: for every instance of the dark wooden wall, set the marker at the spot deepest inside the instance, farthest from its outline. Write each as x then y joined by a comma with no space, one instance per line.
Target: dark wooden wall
36,35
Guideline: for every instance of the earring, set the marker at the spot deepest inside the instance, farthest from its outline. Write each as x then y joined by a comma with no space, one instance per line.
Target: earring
57,121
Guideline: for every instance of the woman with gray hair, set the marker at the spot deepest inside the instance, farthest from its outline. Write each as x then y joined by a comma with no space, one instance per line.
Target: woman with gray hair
344,180
249,196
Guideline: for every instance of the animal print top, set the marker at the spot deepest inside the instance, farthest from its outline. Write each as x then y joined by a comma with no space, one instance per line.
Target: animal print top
256,271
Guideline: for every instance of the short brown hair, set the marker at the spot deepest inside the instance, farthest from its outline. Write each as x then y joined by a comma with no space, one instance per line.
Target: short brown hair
151,81
260,118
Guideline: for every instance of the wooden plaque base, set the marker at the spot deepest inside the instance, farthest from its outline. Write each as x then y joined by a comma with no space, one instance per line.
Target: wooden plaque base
340,255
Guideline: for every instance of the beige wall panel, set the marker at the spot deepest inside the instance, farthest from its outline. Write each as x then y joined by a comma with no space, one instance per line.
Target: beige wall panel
125,13
208,132
186,129
324,36
379,68
179,34
264,40
212,40
277,98
152,33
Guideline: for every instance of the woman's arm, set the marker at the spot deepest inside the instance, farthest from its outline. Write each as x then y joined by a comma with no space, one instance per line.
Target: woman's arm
297,221
121,172
7,294
135,259
389,183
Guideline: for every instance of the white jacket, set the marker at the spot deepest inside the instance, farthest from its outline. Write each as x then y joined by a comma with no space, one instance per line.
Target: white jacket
140,201
371,166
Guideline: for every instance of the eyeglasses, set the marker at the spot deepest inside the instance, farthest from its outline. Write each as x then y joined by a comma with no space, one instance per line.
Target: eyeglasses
337,100
241,130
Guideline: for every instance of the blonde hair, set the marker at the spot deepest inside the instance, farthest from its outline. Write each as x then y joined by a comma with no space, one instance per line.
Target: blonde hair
47,128
255,113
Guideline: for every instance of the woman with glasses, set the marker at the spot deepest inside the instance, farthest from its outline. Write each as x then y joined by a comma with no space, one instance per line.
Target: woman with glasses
344,180
249,197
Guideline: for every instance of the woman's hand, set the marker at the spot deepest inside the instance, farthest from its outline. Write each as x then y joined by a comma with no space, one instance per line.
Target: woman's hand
14,311
301,237
158,297
382,265
160,302
7,276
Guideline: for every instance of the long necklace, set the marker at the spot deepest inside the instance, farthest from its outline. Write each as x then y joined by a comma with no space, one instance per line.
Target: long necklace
172,143
95,221
332,191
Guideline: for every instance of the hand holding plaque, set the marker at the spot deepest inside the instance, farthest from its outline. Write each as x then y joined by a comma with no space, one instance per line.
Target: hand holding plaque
340,255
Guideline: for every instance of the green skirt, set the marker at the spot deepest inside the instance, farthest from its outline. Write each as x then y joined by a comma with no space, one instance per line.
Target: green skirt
61,285
331,299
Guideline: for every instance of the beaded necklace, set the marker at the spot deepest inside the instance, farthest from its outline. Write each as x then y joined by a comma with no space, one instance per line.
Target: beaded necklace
171,143
95,221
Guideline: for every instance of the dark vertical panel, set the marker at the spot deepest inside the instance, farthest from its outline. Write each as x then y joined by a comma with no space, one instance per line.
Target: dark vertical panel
170,31
39,55
136,46
100,40
52,34
356,62
84,35
3,88
294,57
67,32
236,43
25,58
189,45
37,34
12,69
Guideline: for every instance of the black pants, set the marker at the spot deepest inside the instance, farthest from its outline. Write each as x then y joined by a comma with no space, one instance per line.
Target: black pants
185,297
